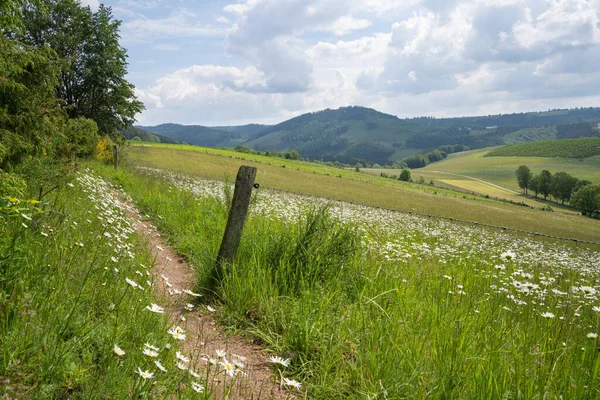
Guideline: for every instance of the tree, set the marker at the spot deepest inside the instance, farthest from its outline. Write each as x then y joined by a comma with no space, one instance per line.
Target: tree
405,175
92,63
534,184
545,182
562,186
524,176
587,199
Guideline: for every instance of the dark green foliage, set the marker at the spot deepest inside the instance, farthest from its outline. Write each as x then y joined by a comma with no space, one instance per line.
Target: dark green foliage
587,199
566,148
524,176
544,183
417,161
405,175
580,129
145,136
194,134
92,63
562,186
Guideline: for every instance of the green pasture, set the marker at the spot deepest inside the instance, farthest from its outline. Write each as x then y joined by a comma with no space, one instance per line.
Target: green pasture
501,170
317,180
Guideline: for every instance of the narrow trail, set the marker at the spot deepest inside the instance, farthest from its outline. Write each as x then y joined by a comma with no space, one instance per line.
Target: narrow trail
203,335
479,180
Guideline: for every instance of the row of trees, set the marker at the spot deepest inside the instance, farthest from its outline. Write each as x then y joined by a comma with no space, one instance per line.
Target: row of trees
563,187
62,81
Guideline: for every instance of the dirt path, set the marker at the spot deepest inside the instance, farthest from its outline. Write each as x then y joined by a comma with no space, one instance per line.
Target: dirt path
203,336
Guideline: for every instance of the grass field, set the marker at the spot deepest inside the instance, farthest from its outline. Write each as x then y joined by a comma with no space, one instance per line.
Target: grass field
390,193
371,303
501,170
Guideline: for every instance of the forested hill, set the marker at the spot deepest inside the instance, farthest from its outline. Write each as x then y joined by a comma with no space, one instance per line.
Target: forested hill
359,134
131,133
197,135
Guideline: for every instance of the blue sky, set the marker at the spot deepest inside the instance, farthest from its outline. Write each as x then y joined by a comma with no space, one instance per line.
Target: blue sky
215,62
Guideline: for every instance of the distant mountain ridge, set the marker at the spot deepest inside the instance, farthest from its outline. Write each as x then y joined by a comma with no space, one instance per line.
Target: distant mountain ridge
359,134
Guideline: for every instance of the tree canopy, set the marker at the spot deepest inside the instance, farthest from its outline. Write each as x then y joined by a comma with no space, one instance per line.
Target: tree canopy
92,64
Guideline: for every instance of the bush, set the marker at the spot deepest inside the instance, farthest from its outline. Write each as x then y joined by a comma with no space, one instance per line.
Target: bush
104,150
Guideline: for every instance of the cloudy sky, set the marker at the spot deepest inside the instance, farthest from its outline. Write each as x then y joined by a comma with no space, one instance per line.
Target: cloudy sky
213,62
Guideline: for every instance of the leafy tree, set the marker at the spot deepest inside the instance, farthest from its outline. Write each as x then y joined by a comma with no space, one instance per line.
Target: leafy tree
562,186
524,176
544,183
405,175
534,184
92,63
587,199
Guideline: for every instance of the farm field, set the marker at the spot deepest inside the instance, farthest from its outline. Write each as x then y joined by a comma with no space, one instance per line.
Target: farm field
367,302
467,184
501,170
404,196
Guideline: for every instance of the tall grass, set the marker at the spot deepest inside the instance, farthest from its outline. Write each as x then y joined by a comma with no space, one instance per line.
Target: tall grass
377,309
65,301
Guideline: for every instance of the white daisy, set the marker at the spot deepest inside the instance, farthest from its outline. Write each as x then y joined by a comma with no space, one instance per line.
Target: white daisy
155,308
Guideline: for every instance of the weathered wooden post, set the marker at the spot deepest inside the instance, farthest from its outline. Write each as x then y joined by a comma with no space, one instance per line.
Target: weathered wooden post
244,182
115,155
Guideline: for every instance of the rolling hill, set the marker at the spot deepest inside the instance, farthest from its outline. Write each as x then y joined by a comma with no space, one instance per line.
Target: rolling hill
145,136
197,135
358,134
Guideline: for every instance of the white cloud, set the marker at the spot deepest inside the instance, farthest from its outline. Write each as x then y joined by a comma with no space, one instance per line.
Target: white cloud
428,57
346,24
179,24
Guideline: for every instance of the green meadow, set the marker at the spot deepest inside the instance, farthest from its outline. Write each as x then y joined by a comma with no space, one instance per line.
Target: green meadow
501,170
334,183
372,303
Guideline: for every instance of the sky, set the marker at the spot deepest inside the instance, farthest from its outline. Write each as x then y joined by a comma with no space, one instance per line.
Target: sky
213,62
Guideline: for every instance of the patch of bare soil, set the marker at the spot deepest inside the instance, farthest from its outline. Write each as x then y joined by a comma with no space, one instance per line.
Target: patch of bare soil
203,336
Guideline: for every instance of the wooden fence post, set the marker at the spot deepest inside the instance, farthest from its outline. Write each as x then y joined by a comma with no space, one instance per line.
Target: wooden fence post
115,155
237,216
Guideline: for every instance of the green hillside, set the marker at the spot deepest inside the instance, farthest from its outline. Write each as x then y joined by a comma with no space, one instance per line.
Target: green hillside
359,134
196,135
565,148
145,136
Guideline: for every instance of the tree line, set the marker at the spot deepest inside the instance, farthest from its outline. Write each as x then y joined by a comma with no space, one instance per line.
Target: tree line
63,92
563,187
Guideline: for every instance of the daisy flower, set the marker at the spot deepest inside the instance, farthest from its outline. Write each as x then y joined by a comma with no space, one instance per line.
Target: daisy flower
592,335
182,366
155,308
547,315
117,350
292,383
181,357
177,333
144,374
228,367
279,360
221,353
132,283
209,308
150,353
197,387
160,366
186,291
148,345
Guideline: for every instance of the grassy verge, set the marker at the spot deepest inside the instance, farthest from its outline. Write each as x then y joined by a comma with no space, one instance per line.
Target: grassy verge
368,303
74,286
